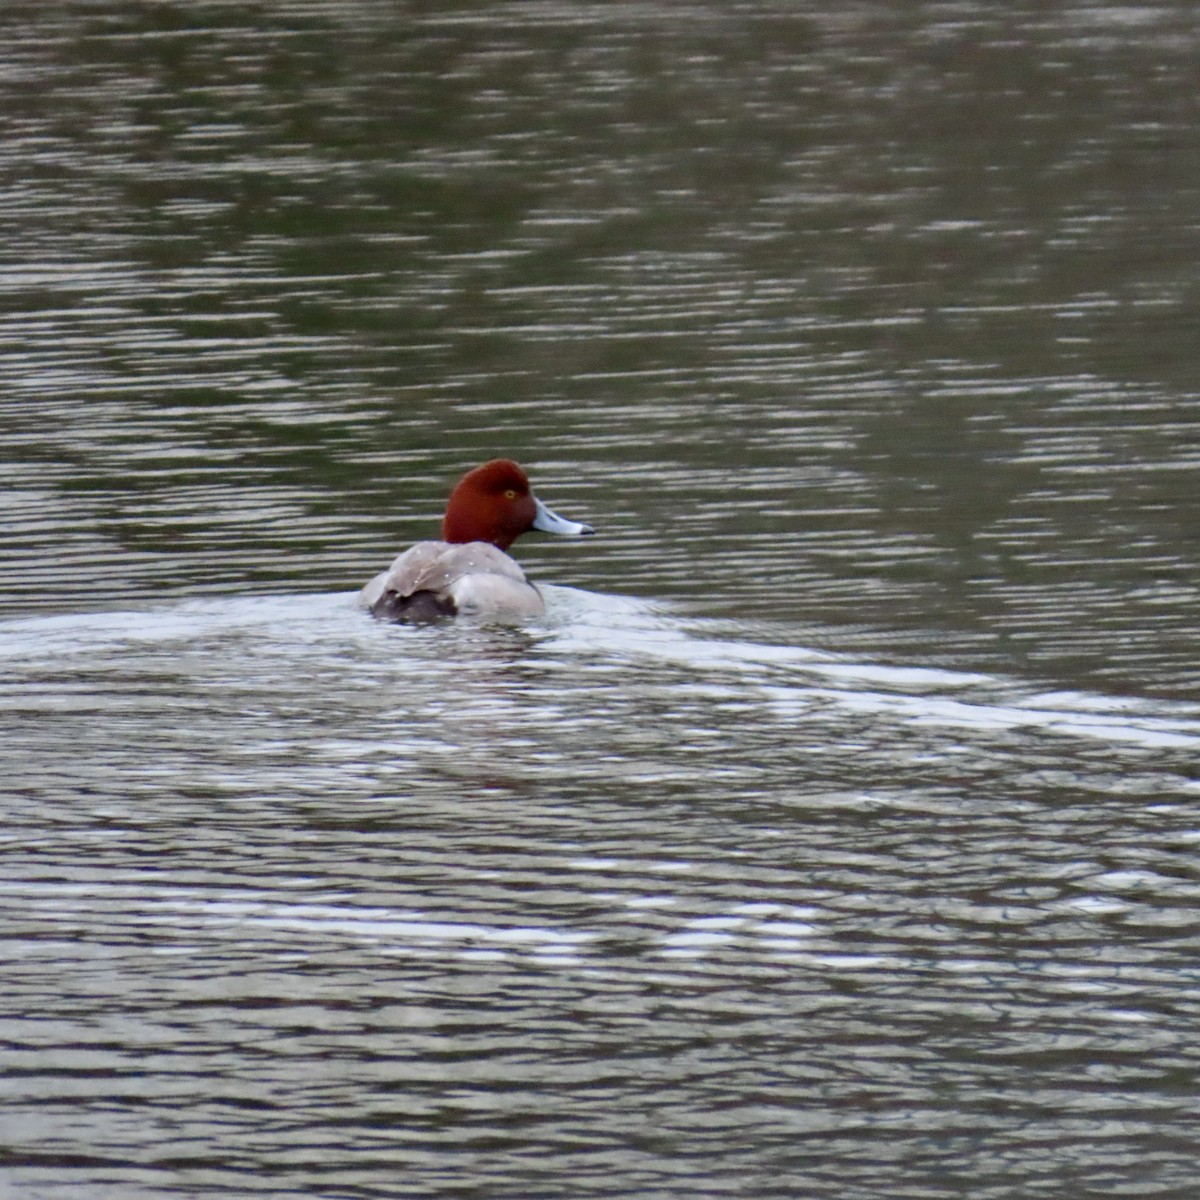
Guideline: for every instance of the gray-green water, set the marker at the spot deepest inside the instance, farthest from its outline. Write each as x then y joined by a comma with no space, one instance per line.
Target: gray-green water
835,835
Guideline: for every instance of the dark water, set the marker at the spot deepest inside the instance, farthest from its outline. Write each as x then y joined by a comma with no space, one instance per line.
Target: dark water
835,834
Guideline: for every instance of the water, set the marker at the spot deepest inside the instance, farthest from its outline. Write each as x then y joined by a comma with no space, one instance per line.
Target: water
834,835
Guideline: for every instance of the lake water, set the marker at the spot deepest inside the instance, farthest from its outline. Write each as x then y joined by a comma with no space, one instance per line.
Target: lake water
836,833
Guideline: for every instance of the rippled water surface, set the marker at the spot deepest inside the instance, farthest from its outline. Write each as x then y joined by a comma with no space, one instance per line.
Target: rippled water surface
835,834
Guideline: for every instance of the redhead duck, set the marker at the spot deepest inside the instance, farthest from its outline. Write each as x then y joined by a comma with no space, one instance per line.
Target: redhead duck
468,573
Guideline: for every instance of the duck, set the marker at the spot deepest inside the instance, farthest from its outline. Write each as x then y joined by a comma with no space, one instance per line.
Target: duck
469,572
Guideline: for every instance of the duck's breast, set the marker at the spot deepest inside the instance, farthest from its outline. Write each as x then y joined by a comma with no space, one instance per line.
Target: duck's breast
486,594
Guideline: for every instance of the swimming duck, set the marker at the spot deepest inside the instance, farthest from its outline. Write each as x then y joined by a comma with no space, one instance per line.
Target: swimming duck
468,572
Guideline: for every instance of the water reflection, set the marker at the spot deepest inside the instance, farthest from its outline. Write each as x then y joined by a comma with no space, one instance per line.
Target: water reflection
522,873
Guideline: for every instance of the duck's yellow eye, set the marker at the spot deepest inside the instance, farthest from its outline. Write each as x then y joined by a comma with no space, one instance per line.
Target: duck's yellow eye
510,494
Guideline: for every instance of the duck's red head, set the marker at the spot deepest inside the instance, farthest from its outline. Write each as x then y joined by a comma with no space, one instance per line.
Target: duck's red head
494,503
